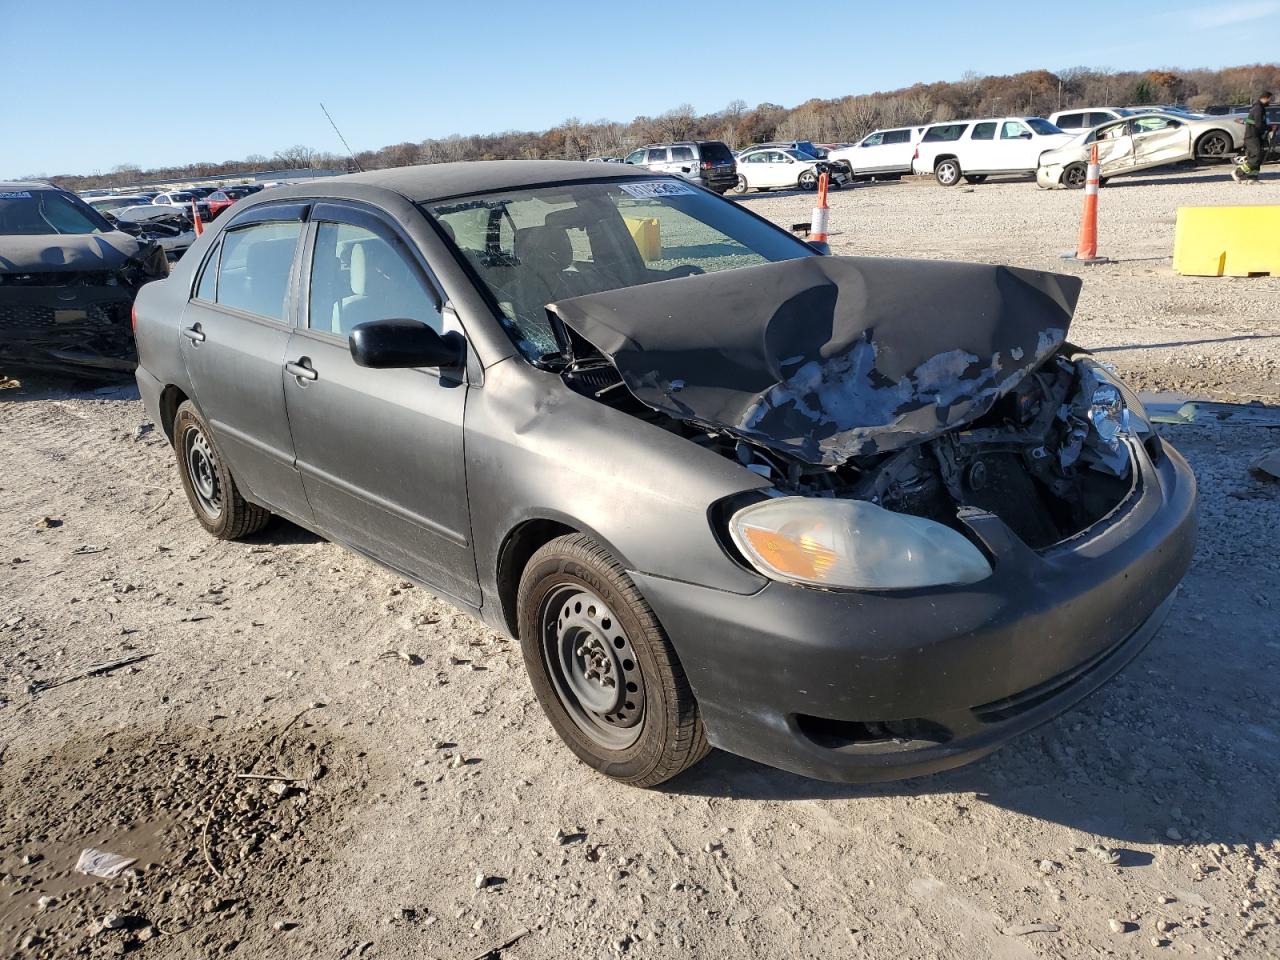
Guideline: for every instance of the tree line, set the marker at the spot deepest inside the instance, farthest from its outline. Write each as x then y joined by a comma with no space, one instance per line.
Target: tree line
842,119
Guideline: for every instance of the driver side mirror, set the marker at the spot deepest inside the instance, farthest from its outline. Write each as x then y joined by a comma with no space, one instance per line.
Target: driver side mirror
1025,135
400,343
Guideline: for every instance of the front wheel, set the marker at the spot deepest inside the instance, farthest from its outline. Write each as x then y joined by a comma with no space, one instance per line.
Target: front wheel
740,186
211,489
1213,147
948,172
602,667
1074,175
808,180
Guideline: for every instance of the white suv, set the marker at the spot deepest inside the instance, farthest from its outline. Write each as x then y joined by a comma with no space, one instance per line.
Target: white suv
881,152
974,149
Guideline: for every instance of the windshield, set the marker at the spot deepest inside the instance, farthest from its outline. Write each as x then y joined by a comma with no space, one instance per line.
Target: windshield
1042,126
33,213
534,247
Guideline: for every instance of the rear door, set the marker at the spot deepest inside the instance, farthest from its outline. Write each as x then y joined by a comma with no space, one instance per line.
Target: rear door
683,163
380,451
981,152
235,331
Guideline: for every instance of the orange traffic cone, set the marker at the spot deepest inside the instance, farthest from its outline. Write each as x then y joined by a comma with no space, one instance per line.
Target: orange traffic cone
1087,245
195,218
818,228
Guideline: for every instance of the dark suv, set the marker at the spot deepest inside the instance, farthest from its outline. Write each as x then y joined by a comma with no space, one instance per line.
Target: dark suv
706,162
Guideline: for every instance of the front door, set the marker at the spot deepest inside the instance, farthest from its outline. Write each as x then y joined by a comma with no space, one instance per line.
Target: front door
1017,147
380,451
234,334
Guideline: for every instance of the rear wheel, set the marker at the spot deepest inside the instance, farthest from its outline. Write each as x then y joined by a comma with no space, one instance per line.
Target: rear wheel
1074,175
740,186
808,180
1214,146
602,667
947,172
211,489
975,178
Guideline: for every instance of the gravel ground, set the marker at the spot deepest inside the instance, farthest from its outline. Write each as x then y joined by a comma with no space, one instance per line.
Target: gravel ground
427,809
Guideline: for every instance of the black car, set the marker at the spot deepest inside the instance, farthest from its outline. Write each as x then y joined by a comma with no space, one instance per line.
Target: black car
725,490
67,282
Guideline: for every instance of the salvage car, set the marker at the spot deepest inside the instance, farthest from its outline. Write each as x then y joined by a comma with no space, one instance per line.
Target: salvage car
763,168
881,153
724,490
171,227
1137,143
67,282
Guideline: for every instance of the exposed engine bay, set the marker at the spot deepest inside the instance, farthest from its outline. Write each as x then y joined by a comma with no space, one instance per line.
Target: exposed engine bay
825,393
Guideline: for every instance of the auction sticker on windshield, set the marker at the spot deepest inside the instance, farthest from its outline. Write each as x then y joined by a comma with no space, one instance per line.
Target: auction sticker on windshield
21,195
657,188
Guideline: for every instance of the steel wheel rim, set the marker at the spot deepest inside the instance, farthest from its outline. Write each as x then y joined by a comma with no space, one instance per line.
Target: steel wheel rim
202,471
593,666
1214,145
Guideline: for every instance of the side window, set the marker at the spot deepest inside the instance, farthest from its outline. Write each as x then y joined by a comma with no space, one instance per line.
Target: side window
358,275
681,153
253,272
1013,130
1097,118
207,290
755,158
657,156
898,136
983,131
635,156
1069,121
874,140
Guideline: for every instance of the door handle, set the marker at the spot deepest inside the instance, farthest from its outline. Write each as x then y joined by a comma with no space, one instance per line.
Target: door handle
301,368
193,333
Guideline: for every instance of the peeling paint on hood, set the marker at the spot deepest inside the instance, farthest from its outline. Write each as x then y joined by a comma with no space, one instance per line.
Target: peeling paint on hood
828,358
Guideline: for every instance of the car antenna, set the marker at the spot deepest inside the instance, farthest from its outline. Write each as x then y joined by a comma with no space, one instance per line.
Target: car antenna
343,139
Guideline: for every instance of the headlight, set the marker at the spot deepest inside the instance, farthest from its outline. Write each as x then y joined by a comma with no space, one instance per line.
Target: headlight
1114,410
852,544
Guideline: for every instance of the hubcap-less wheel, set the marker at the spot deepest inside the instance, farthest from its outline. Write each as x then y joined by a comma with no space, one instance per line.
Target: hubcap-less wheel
808,180
203,470
1214,146
593,668
1074,175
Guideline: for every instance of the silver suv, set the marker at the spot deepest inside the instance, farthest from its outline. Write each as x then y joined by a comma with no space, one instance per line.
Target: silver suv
706,162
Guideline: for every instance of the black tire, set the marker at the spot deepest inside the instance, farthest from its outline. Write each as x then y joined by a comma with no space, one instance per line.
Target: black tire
211,489
947,171
654,730
808,180
1214,147
741,185
1075,174
975,178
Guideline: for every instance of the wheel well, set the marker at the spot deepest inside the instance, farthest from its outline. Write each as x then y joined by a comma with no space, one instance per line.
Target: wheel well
521,544
171,398
942,156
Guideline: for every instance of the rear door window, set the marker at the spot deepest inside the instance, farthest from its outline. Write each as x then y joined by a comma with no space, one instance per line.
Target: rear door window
945,132
983,131
897,136
657,156
681,153
1070,121
208,288
253,274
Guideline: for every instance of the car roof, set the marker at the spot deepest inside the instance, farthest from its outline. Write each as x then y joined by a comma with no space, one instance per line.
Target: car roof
9,186
436,181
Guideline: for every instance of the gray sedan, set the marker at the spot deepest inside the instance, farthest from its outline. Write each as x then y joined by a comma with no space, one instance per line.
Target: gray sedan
725,491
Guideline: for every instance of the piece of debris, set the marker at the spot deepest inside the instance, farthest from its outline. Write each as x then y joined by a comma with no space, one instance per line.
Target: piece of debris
483,880
48,523
100,863
1023,929
1117,926
87,549
1104,854
1166,899
511,941
1267,466
410,658
1049,866
93,670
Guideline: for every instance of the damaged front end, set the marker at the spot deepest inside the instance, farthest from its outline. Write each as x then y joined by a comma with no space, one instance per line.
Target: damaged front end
921,389
65,302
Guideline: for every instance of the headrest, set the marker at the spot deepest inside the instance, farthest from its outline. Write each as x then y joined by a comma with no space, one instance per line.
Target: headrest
545,246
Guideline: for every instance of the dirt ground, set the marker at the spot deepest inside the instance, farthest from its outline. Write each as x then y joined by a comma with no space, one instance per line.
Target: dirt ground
429,810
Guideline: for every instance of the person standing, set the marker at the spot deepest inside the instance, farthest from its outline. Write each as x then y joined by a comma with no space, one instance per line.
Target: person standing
1256,129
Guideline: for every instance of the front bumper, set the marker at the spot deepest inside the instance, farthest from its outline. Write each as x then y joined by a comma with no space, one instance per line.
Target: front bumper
865,686
67,328
1049,176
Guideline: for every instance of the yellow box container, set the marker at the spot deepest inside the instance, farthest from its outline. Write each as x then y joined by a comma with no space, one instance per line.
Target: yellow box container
1227,241
647,234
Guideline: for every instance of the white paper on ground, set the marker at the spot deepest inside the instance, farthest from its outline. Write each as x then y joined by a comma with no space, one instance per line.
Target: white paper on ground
99,863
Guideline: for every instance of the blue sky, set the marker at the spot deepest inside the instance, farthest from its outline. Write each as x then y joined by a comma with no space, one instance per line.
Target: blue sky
90,85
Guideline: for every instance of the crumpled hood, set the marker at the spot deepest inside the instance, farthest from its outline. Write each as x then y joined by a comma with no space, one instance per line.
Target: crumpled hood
53,253
827,358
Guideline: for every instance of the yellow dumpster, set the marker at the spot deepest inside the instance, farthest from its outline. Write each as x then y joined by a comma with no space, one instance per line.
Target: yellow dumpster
647,234
1227,241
